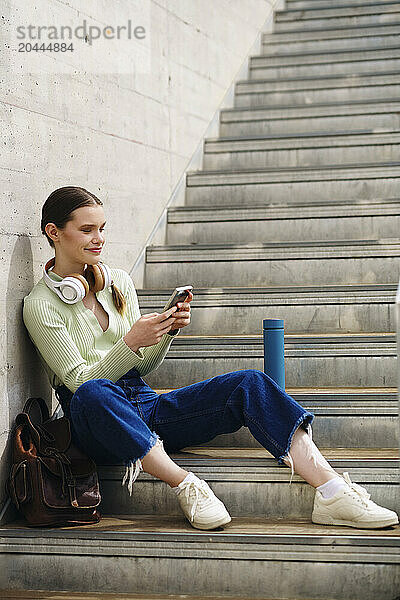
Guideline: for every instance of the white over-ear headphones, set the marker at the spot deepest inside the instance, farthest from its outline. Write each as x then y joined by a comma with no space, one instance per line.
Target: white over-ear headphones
75,287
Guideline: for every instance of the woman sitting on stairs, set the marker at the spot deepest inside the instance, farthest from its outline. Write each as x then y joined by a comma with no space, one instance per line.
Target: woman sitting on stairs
95,346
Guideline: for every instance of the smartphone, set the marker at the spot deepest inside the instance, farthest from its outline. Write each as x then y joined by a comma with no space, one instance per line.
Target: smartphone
178,295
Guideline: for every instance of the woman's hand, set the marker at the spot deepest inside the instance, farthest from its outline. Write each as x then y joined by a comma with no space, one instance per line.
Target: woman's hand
149,329
182,316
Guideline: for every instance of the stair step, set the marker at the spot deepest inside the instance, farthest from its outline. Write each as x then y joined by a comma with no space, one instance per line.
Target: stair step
317,89
332,309
343,39
278,263
278,174
328,23
318,81
250,482
341,458
312,4
327,118
350,360
324,109
360,180
346,427
262,68
367,32
280,222
310,57
335,17
247,558
309,149
153,524
351,340
328,7
52,595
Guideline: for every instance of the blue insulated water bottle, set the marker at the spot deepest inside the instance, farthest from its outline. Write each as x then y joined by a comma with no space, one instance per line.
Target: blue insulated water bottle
274,354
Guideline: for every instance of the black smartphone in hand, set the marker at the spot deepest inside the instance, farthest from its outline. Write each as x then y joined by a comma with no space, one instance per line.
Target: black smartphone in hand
178,295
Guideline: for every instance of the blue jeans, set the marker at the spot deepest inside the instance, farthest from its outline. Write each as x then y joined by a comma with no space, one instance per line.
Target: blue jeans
120,422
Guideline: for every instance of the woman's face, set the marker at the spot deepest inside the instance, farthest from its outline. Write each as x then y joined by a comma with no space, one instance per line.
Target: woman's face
84,232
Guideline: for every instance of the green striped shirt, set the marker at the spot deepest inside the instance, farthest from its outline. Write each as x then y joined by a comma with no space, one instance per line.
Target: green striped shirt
71,344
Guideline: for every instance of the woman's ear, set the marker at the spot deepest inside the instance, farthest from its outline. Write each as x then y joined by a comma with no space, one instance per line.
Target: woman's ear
52,231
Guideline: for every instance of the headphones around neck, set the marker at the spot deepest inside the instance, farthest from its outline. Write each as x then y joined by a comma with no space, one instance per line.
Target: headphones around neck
75,287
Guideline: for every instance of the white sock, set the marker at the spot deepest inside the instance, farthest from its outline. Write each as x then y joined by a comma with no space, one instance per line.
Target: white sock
332,486
189,477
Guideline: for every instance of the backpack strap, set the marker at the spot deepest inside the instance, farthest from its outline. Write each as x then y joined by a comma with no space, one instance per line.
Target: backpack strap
31,409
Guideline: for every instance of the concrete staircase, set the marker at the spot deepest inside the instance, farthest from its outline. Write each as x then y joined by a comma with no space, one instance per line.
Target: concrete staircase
295,215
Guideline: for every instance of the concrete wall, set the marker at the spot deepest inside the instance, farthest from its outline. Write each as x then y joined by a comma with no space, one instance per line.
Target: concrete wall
122,124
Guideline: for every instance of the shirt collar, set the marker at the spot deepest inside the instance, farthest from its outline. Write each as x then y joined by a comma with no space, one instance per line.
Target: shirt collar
54,276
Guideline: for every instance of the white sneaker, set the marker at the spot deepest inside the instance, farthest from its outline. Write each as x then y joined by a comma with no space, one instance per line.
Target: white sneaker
201,506
351,506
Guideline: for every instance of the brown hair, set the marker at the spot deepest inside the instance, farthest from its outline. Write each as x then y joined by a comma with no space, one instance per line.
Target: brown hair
58,209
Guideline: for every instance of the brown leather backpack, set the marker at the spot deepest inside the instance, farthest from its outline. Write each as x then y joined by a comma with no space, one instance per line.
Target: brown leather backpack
51,482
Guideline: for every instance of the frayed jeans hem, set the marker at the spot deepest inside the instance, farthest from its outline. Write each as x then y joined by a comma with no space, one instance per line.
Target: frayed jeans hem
306,420
134,466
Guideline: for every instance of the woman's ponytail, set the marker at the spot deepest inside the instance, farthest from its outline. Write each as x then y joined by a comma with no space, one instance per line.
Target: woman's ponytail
118,299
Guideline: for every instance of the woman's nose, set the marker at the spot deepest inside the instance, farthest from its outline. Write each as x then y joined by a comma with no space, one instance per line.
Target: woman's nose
99,237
